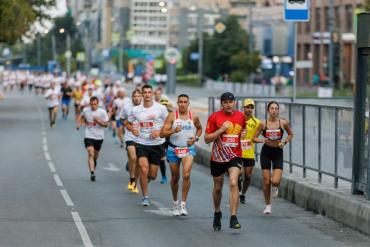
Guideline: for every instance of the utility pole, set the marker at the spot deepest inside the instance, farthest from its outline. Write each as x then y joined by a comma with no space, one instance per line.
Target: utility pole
38,40
200,44
331,45
53,47
250,38
68,54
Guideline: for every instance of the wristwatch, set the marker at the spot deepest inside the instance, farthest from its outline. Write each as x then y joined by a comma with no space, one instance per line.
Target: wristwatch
285,142
197,138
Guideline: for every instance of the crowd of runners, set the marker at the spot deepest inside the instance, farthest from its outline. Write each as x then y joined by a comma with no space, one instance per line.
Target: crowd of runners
153,131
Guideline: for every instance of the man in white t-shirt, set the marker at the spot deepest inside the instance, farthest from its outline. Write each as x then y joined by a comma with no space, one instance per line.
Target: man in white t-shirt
95,120
52,97
117,108
149,146
131,140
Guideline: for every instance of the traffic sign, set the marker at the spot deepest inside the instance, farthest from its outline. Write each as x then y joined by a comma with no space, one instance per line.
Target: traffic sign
172,55
297,10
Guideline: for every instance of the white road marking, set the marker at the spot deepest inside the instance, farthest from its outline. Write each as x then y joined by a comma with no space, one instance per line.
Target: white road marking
44,140
57,180
111,167
52,167
162,210
67,198
47,156
82,229
45,148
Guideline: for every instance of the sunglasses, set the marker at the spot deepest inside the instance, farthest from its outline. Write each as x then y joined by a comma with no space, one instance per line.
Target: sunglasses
249,107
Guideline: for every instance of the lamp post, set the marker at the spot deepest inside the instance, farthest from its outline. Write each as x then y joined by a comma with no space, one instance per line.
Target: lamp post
68,49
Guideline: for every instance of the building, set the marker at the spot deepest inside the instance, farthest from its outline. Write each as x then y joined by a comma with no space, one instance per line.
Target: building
313,40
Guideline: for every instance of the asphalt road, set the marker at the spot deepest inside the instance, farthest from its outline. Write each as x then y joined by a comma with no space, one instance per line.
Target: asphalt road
46,198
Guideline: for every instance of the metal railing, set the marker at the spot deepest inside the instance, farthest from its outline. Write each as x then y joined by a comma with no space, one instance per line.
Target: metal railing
323,136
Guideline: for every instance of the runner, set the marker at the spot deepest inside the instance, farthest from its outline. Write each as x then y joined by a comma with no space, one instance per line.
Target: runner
131,141
66,91
224,129
149,149
272,151
77,97
183,129
117,108
248,147
95,120
163,99
52,97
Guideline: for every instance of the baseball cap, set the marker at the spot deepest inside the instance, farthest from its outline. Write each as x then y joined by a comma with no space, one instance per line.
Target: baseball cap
248,102
164,102
121,89
227,96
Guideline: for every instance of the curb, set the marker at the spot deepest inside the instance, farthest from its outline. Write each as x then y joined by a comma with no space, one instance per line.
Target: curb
350,210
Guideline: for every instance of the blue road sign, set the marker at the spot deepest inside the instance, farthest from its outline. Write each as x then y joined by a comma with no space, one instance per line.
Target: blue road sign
297,10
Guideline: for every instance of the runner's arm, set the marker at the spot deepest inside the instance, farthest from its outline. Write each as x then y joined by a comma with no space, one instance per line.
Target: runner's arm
80,121
167,130
212,133
198,126
289,130
255,138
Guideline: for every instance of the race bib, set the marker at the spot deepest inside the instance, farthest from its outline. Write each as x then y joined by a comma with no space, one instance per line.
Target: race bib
146,124
230,140
273,135
181,152
246,144
90,124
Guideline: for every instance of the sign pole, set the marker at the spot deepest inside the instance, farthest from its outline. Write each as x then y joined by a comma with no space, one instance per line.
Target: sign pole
294,89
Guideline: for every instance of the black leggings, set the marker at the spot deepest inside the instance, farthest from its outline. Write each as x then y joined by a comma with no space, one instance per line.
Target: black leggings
271,156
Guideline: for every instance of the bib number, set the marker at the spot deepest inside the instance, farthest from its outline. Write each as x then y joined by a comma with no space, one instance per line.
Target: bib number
147,125
246,144
273,135
230,140
181,152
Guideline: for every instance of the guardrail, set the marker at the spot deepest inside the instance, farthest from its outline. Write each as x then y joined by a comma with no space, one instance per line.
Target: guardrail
323,136
242,88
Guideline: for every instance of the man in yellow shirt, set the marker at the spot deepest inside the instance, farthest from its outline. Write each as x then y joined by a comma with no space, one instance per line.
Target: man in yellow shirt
252,124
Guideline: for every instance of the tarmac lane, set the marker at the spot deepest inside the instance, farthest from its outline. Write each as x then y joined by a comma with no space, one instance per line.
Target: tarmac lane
46,198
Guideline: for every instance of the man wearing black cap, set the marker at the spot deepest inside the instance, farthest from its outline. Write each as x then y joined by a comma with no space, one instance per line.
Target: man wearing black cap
224,129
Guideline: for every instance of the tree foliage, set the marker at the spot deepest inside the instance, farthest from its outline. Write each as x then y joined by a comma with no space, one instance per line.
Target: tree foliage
224,53
367,5
17,16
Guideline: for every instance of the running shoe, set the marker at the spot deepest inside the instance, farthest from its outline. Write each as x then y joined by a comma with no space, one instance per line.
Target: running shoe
121,145
130,185
135,190
164,180
217,221
182,210
175,209
274,191
92,177
234,223
267,209
145,202
242,199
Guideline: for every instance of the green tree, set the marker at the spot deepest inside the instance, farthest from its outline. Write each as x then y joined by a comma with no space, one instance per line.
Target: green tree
17,16
367,5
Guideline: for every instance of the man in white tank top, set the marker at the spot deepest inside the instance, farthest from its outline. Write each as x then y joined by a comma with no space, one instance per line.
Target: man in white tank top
183,129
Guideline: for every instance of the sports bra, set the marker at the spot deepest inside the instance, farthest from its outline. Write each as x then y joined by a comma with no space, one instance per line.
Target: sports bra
273,134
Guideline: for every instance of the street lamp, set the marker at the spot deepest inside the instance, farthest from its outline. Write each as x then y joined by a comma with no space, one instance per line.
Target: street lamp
68,52
61,30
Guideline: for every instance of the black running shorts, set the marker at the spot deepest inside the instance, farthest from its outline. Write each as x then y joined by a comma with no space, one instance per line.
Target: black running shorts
152,153
94,143
271,157
219,168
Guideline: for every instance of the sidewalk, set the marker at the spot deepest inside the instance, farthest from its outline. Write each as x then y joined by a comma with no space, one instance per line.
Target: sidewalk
338,204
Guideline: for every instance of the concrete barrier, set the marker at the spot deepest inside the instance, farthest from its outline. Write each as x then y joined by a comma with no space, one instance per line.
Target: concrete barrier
350,210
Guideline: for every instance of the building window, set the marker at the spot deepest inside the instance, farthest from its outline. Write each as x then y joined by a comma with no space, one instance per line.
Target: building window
327,18
337,17
318,19
349,18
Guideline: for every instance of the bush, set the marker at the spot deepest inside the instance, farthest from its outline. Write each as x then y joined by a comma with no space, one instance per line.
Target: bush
238,76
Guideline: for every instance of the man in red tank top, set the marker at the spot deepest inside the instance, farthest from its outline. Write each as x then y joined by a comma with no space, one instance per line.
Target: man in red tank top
224,129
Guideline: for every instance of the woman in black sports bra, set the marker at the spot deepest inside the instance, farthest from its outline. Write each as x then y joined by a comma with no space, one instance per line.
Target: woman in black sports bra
272,151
